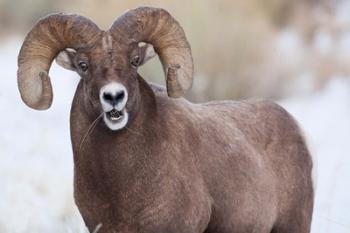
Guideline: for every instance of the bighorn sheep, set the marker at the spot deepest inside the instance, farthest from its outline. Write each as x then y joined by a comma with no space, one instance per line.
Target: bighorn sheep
144,162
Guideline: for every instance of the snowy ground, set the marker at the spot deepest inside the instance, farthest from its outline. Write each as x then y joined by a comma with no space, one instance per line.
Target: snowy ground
324,117
36,158
36,166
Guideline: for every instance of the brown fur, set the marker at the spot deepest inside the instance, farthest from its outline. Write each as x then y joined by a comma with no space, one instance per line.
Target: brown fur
217,167
183,167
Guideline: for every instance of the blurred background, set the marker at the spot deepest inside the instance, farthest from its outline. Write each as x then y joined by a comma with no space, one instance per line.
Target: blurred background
294,52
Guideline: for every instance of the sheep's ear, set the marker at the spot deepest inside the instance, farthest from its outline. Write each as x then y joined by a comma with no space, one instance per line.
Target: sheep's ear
65,59
147,52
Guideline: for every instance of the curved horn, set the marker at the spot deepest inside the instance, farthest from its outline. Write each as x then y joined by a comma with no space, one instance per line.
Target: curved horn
157,27
49,36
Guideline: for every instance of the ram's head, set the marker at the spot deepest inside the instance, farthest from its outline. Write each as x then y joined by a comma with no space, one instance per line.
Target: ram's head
107,61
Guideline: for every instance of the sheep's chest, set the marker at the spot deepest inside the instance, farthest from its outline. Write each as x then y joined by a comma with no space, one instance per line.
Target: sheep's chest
172,210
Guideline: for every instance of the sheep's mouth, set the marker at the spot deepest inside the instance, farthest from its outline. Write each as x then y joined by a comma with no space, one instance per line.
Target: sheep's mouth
116,119
114,115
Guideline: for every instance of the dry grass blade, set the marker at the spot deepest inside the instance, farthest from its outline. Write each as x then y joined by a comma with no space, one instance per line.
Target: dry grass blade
90,130
98,227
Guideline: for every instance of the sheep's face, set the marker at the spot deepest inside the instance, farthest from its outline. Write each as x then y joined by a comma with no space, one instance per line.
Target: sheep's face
106,60
109,76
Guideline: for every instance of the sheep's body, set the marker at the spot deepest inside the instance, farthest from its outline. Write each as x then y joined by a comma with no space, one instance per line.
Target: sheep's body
147,163
182,167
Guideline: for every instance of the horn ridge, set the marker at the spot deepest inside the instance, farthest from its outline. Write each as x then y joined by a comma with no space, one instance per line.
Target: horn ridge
157,27
43,42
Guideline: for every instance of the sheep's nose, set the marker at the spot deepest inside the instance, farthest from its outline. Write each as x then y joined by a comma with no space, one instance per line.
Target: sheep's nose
113,95
114,98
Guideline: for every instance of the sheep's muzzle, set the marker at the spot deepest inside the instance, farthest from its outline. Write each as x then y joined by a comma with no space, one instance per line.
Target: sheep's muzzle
114,115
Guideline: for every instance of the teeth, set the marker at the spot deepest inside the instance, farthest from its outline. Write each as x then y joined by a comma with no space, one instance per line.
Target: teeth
115,118
115,115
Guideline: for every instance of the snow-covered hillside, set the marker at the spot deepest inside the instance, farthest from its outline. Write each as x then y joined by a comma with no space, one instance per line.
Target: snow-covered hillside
324,117
36,164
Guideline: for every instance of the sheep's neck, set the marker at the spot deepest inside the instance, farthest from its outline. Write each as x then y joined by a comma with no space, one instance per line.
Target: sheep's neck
112,166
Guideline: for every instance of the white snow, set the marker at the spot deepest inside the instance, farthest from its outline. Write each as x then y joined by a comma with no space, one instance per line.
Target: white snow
324,117
36,167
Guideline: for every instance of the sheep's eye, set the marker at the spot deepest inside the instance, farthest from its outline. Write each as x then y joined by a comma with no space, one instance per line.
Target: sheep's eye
83,66
135,61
